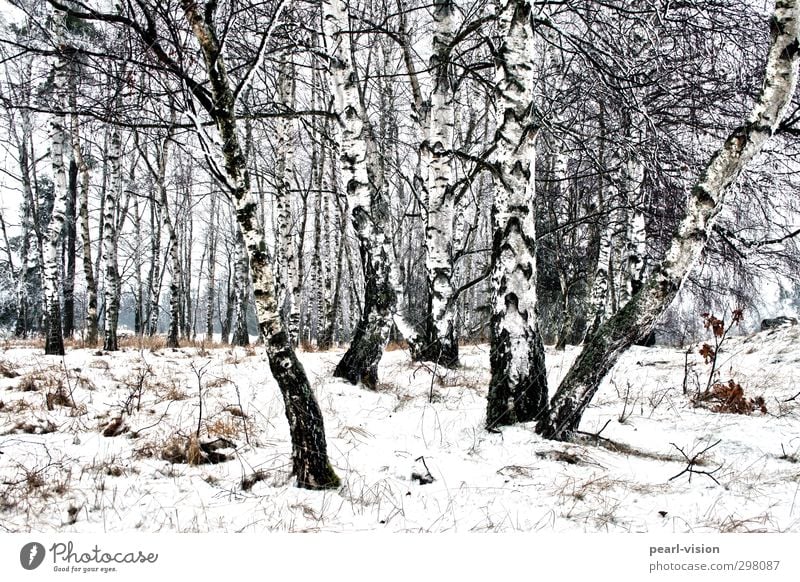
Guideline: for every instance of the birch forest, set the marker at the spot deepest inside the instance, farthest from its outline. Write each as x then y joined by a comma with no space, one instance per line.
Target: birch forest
356,181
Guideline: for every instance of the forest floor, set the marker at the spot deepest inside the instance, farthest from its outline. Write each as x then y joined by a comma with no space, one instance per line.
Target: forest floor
60,472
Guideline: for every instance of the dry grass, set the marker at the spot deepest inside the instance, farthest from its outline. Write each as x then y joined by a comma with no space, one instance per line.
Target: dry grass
7,371
194,455
224,427
58,398
171,392
35,426
396,345
48,379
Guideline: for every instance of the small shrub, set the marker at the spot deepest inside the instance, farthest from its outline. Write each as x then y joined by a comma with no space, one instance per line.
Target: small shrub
193,451
6,371
58,398
729,398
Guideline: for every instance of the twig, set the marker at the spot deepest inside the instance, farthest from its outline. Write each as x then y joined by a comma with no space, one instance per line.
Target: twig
244,419
691,462
433,379
199,372
686,372
792,398
596,435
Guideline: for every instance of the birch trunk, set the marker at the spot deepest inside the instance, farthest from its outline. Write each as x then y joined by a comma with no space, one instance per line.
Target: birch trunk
173,332
111,284
138,282
633,270
336,248
562,213
70,232
185,219
440,344
31,242
86,239
599,298
363,188
241,337
319,259
518,387
309,449
599,302
54,339
212,265
705,201
286,249
154,274
72,209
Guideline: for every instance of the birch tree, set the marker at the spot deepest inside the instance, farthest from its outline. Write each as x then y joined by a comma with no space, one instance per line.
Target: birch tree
211,246
518,386
366,205
241,291
288,254
86,239
705,201
440,343
111,283
54,340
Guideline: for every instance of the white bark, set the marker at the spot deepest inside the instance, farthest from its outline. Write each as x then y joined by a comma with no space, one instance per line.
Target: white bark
241,336
634,268
360,175
54,343
437,155
599,309
286,249
211,282
309,450
112,197
518,389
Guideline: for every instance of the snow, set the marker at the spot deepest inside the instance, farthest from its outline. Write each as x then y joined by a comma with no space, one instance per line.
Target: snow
76,480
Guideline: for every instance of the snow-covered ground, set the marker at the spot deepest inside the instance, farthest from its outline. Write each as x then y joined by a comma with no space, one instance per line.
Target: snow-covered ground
60,473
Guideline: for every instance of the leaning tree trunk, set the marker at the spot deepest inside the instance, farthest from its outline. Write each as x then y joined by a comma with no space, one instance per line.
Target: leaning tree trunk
309,449
54,339
518,387
360,362
706,200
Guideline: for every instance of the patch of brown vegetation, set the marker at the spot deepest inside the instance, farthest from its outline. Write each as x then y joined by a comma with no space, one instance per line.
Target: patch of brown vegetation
6,371
729,398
